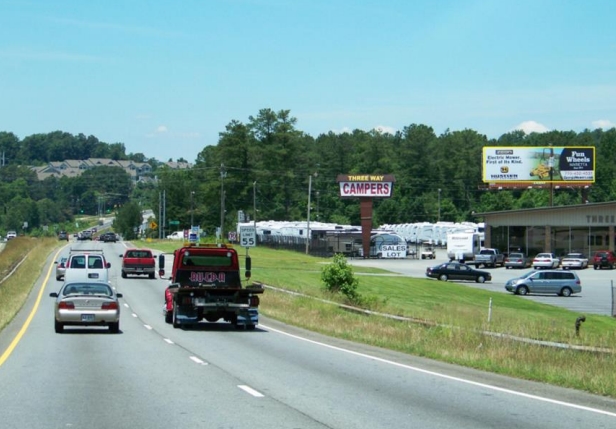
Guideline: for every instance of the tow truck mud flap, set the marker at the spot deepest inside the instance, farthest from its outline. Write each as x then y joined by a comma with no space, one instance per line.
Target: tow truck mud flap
186,315
248,318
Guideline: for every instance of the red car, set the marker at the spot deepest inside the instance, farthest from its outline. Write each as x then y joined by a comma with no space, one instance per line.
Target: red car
604,259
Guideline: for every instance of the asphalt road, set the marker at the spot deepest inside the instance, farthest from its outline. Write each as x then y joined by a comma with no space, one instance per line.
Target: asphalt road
597,285
153,376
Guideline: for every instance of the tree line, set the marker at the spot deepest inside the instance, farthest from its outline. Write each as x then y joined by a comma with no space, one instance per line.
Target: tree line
266,163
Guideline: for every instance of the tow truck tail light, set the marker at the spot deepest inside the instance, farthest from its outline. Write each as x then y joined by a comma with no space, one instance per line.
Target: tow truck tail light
109,306
66,305
254,301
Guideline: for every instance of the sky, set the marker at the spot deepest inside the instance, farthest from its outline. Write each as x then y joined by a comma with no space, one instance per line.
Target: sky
165,77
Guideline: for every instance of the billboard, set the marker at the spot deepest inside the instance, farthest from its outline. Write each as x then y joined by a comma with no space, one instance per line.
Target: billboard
539,164
366,185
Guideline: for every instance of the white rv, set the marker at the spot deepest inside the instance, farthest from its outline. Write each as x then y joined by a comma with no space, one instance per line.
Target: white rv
463,245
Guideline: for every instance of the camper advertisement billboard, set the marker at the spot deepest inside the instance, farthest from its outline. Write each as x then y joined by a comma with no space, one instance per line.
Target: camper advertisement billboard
555,165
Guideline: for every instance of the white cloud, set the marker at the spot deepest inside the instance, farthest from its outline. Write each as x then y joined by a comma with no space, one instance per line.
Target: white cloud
343,130
531,127
603,123
161,129
382,129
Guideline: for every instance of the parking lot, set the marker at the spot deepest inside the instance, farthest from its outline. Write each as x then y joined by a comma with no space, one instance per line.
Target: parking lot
597,285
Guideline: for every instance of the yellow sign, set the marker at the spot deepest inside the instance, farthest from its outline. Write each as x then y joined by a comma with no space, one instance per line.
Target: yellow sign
153,225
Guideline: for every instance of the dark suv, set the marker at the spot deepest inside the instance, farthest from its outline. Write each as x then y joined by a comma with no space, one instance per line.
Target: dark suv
604,259
63,235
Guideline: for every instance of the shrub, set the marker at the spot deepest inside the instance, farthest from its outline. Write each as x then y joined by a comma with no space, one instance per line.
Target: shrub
338,278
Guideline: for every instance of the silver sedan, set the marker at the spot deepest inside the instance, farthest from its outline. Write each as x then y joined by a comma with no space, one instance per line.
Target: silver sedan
86,304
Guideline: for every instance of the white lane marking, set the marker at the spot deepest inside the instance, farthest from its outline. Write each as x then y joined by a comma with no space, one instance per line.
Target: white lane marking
134,315
126,305
197,360
448,377
148,327
168,341
250,390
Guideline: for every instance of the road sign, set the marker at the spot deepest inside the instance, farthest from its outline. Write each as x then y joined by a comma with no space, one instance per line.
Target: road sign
174,222
248,236
153,225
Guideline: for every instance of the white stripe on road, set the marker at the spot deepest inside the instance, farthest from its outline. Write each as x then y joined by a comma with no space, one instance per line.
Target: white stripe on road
148,327
168,341
197,360
449,377
250,390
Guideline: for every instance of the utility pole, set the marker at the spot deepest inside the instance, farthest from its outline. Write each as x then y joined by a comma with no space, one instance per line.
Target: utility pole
308,217
254,203
192,195
223,174
551,165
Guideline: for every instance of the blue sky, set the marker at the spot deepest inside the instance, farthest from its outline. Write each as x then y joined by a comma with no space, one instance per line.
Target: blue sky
166,77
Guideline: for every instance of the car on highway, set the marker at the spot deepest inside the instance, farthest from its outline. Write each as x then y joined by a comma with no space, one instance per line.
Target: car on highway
108,237
86,304
546,260
61,267
457,271
604,259
574,260
63,235
517,260
563,283
11,234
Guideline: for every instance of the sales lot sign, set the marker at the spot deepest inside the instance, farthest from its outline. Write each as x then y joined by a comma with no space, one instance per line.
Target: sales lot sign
366,185
539,164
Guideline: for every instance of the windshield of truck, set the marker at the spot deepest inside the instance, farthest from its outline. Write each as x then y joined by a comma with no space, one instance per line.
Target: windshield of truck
207,261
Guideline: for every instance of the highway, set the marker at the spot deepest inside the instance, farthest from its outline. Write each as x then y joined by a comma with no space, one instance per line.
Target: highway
153,376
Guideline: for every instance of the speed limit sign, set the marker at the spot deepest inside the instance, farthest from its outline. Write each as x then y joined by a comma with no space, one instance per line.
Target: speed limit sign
248,236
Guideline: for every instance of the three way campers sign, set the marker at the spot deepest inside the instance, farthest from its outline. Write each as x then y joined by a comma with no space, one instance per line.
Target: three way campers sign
366,187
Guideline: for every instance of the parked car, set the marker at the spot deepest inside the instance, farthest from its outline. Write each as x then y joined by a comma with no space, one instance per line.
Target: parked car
457,271
61,267
11,234
574,260
604,259
517,260
177,235
563,283
63,235
546,260
86,304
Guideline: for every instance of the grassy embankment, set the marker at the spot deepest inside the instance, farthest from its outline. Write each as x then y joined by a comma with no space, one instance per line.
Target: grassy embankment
15,289
455,319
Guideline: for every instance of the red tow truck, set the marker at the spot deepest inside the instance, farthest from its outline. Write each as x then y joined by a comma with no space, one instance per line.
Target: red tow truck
205,284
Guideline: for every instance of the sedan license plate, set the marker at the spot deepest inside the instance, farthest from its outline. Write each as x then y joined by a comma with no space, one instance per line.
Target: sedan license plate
87,318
